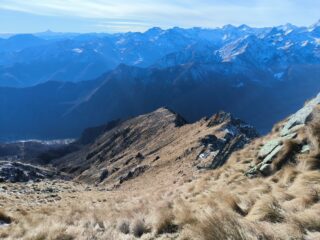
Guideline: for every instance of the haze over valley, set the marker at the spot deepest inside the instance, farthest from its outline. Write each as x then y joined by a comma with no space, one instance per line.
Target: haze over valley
127,121
89,79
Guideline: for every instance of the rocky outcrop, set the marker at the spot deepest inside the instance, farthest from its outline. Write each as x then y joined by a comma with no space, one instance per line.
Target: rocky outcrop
133,173
289,130
21,172
300,118
233,135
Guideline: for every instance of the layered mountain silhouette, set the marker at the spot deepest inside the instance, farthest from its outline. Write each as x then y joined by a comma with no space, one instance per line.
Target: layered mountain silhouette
63,110
258,74
28,59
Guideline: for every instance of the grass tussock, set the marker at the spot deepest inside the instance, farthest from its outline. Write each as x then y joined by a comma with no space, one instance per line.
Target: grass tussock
139,228
164,220
314,135
124,226
288,175
214,224
183,212
309,218
313,162
231,202
266,209
287,154
4,218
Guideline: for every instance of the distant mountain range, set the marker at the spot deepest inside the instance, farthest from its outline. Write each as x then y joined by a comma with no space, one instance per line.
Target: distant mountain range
258,74
27,59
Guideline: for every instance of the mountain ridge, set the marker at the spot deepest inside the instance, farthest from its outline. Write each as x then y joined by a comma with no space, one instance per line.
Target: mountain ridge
132,148
194,91
93,54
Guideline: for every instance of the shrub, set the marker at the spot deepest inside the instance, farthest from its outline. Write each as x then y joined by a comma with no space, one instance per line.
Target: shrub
164,221
139,228
124,227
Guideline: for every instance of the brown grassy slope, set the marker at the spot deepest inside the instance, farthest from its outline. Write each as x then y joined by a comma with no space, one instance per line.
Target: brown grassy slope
160,146
217,204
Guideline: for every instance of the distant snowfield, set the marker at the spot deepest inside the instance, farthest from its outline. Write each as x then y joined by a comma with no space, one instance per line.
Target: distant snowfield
77,50
240,45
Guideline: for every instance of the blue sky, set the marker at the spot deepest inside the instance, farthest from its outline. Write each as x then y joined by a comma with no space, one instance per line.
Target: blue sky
22,16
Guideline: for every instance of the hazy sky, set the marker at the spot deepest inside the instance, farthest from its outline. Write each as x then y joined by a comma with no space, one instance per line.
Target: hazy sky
138,15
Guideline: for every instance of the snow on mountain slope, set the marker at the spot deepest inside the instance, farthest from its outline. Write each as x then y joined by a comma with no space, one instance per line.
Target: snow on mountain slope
22,57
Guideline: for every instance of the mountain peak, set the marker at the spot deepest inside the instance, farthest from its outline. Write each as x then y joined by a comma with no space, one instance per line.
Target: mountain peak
166,113
287,27
228,27
154,30
244,27
315,25
219,118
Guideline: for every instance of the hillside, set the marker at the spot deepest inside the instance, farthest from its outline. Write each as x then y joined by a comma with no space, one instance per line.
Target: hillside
194,91
268,189
154,144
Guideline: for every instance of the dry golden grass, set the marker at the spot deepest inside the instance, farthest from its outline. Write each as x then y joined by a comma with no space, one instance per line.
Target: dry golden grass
176,202
266,209
290,148
245,209
309,218
213,224
164,219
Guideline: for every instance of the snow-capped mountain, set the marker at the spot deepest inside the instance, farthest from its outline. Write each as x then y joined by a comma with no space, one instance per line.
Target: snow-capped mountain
268,51
259,75
31,59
